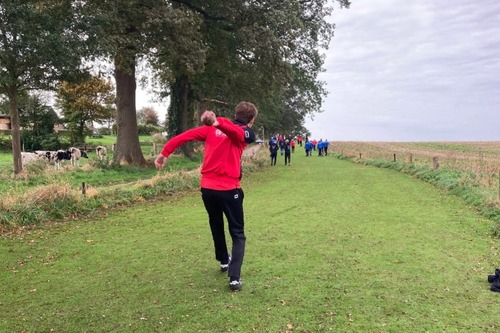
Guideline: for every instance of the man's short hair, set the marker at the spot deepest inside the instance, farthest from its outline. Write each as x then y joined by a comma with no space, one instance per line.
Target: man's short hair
246,111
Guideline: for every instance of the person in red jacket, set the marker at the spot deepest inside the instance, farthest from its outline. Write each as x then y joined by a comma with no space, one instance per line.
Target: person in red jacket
221,173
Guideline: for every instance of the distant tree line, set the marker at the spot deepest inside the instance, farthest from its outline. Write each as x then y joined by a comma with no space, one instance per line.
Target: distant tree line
204,54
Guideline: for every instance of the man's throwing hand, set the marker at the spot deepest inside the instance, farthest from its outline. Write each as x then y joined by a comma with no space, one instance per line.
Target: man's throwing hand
160,161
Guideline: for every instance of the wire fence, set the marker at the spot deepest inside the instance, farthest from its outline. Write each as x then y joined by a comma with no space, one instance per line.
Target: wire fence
482,160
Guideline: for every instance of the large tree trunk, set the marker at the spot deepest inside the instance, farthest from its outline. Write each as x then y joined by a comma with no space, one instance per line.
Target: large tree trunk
181,110
128,149
16,132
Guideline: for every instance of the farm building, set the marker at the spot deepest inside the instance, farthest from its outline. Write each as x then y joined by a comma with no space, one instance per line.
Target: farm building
4,122
59,128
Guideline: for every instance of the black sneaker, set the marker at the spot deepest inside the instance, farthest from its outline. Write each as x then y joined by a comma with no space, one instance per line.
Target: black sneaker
225,267
495,286
495,277
235,285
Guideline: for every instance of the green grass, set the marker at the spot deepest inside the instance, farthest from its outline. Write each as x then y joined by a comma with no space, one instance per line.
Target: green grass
106,140
332,247
100,175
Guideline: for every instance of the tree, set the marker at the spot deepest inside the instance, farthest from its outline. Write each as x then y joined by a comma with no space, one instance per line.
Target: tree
148,116
39,45
211,52
84,103
37,120
124,31
262,51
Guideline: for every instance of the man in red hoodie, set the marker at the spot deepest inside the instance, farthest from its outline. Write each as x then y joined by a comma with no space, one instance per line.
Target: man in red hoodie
221,173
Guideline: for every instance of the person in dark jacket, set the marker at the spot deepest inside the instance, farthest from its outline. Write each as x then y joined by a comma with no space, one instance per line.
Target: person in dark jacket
221,173
287,149
273,150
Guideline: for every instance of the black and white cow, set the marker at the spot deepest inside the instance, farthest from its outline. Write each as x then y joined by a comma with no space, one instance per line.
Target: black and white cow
29,157
59,156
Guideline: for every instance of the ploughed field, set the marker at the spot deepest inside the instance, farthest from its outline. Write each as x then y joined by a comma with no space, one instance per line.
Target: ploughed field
481,157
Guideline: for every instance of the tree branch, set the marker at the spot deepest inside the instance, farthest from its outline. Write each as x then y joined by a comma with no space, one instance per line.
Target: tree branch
214,101
199,10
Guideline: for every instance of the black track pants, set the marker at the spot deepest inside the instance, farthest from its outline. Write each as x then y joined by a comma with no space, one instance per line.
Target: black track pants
273,158
287,158
229,203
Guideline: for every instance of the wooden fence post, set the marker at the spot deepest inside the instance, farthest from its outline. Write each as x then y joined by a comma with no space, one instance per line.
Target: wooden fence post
411,158
394,157
498,192
435,163
359,155
84,188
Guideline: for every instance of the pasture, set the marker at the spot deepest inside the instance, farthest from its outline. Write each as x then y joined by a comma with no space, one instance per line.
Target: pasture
92,171
333,246
45,194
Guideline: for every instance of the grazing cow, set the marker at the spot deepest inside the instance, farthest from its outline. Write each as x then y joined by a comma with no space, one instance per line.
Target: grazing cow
27,157
41,152
76,154
46,155
101,152
59,156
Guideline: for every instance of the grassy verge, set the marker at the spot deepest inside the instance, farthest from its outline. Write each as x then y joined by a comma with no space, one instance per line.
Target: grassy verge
457,182
332,247
93,172
52,196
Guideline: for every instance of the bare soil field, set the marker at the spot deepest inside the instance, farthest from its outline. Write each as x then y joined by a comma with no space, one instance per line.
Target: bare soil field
482,157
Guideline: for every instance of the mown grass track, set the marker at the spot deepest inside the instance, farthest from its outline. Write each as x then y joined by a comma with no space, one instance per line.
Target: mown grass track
332,247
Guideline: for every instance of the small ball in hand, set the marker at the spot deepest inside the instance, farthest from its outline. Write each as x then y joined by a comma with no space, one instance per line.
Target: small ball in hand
208,121
208,118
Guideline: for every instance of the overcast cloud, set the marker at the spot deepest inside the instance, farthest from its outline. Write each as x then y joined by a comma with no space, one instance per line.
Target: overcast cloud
413,70
416,70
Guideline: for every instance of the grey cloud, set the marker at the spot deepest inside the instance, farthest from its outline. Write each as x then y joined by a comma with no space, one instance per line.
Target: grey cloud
413,70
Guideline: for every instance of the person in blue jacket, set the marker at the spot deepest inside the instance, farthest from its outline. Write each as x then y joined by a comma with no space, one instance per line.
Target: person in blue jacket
271,140
308,146
325,147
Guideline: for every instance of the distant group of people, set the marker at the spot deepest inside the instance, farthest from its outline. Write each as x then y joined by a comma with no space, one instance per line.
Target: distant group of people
286,146
321,146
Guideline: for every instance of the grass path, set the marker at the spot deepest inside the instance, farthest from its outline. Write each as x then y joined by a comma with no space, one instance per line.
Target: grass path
332,247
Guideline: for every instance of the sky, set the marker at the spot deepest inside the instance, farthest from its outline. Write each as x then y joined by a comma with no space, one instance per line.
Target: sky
413,70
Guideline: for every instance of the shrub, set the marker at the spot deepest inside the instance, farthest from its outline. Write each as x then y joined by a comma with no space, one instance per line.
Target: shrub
159,138
51,142
148,129
104,131
5,143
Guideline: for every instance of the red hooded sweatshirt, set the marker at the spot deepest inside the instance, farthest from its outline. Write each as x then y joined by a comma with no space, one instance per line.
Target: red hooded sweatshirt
224,145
